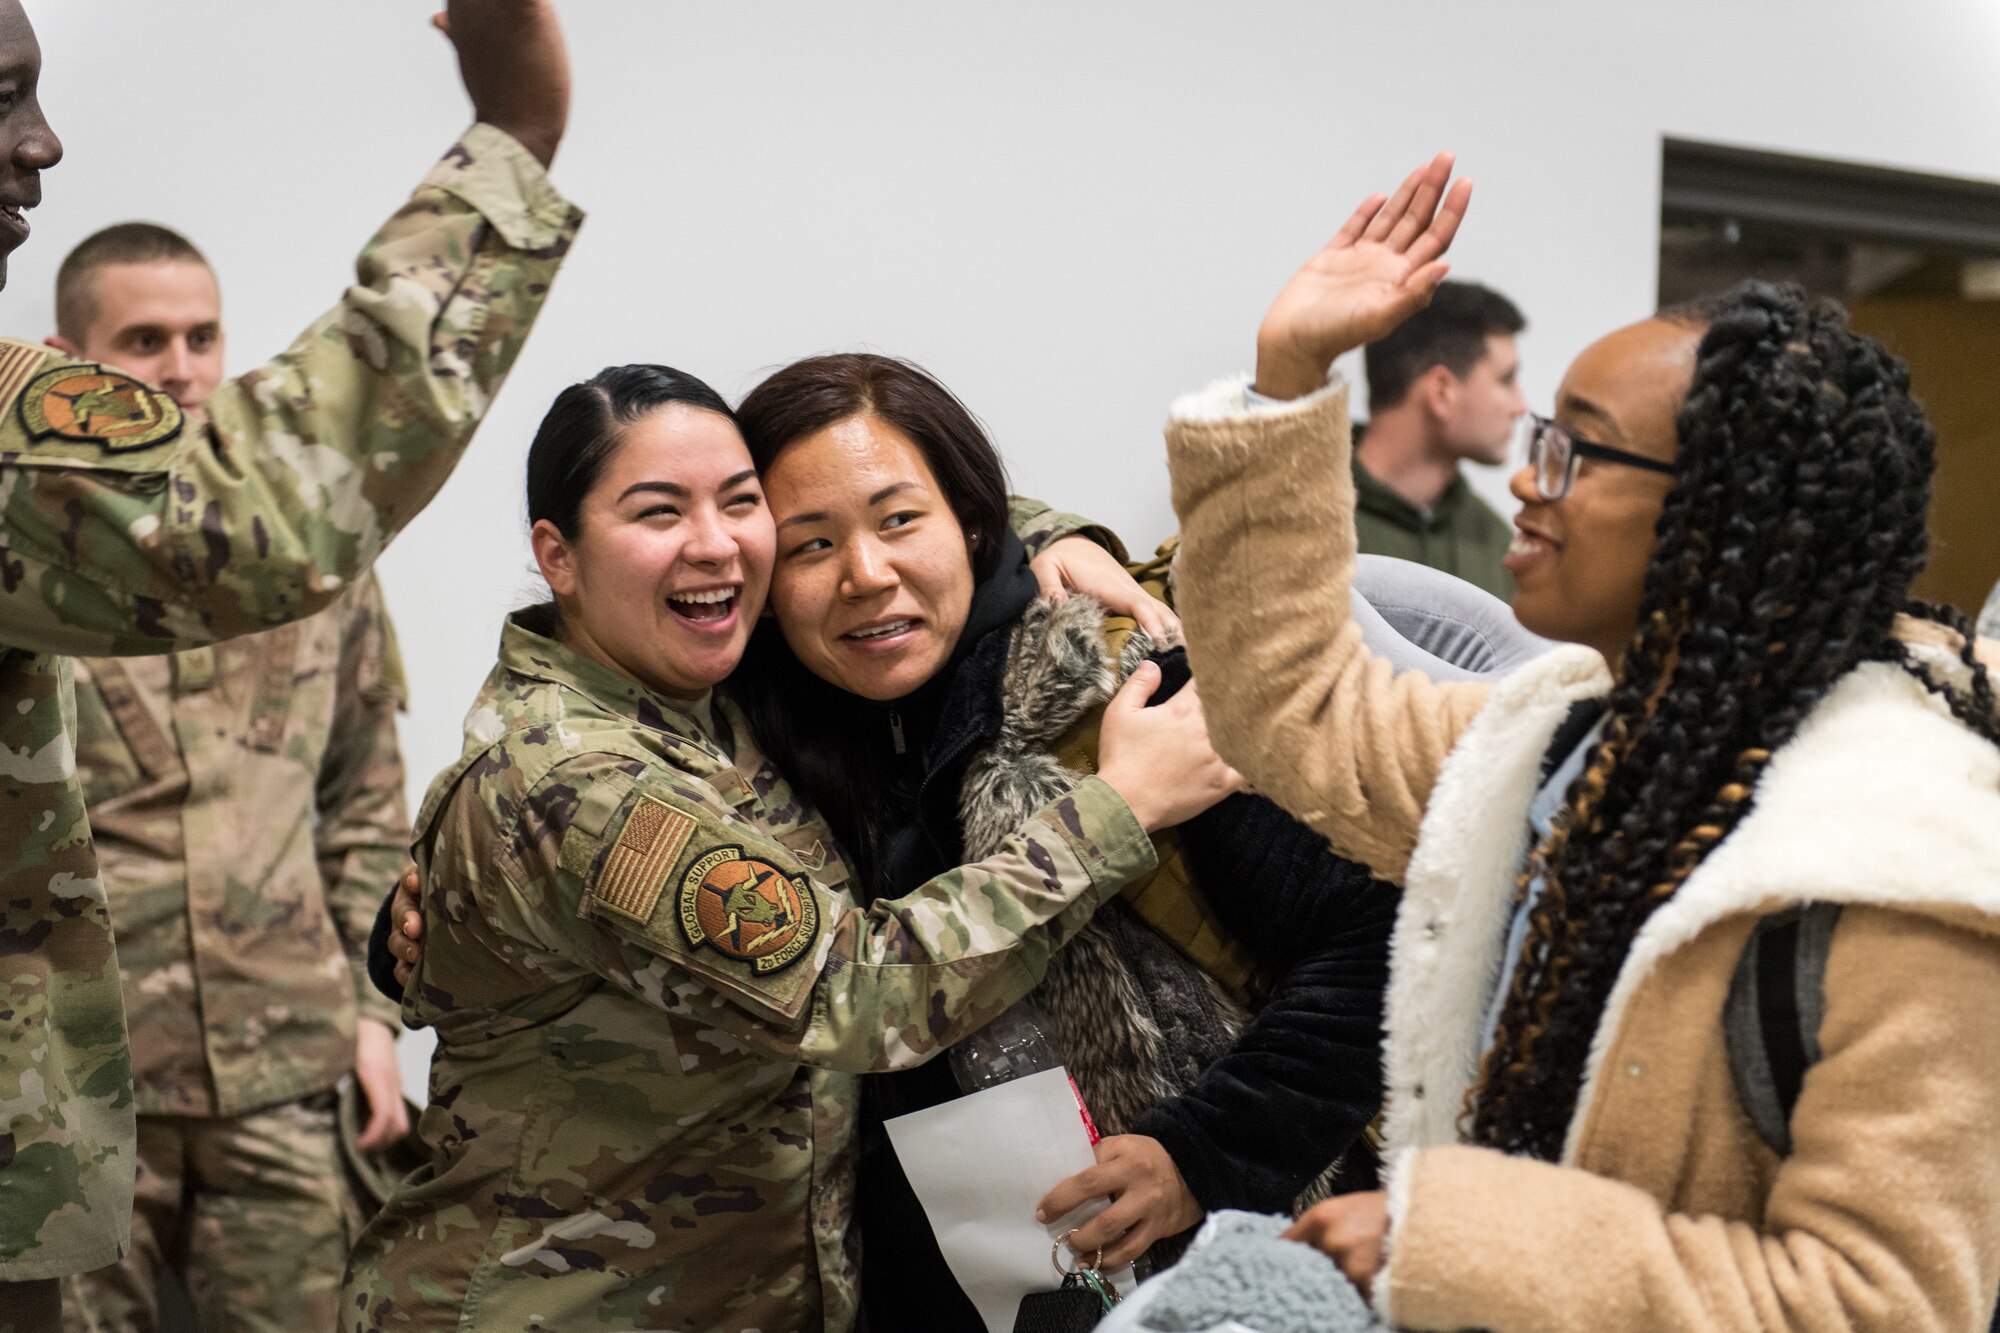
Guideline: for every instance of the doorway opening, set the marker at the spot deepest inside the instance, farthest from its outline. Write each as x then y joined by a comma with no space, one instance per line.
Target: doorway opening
1916,260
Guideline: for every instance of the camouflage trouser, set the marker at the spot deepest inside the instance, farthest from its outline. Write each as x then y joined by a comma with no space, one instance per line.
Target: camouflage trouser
250,1211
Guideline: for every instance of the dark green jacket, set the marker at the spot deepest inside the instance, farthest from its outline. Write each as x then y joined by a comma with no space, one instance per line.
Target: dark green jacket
1461,535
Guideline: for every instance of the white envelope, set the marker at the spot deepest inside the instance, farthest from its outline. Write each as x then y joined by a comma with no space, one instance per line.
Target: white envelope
979,1165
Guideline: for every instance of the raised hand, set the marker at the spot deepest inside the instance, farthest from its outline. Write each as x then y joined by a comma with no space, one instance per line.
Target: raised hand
515,66
1377,271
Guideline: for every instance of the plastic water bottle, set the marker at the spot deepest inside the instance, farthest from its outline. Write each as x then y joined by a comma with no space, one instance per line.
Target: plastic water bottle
1012,1046
1015,1045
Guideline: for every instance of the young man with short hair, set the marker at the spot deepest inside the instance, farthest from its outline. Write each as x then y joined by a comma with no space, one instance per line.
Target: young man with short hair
1443,389
247,801
128,525
140,297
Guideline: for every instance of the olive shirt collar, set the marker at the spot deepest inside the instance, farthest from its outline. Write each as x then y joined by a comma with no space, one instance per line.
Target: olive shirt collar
1378,498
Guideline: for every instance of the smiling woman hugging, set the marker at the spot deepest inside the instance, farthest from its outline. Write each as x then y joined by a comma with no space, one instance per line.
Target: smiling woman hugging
924,698
650,988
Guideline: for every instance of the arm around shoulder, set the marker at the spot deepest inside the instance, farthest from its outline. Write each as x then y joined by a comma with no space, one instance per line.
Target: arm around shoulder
646,869
1040,526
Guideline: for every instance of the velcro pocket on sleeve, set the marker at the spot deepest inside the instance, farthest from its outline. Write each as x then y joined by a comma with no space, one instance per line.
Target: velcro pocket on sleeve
583,844
814,849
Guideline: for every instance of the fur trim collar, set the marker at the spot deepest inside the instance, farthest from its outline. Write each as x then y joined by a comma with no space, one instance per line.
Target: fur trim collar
1233,397
1458,895
1882,797
1136,1021
1055,674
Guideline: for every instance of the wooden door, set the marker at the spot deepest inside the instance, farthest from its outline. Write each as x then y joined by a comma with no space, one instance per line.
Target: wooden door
1953,347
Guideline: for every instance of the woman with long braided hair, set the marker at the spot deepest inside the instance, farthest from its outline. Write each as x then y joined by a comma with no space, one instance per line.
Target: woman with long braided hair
1725,515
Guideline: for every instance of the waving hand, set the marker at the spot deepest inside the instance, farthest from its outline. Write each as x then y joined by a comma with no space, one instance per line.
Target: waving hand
1377,271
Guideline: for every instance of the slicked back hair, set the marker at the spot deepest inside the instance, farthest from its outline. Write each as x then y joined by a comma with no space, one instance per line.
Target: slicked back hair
585,425
120,243
1450,332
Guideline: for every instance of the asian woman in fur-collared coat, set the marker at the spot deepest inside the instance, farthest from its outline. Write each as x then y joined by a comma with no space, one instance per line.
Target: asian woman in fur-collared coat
1723,520
919,694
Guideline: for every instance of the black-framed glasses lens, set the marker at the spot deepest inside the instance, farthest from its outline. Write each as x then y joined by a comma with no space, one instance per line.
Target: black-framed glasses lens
1549,453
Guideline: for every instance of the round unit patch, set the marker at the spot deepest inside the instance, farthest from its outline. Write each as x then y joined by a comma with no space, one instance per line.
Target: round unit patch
89,404
748,910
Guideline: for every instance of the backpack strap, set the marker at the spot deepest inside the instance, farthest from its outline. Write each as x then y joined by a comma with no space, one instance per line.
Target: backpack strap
1777,998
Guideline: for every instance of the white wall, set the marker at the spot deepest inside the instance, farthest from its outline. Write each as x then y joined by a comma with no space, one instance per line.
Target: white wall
1069,211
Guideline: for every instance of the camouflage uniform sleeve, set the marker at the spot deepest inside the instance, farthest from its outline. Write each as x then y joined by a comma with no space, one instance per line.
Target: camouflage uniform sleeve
129,529
658,887
362,835
1156,575
1037,526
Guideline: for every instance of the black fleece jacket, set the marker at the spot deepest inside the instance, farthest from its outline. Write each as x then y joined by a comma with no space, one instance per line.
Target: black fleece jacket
1305,1077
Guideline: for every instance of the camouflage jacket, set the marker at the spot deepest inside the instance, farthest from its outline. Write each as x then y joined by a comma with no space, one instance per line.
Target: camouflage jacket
652,995
129,529
247,804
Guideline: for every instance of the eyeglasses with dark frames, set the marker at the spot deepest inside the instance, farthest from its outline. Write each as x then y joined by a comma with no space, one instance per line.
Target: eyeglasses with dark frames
1555,454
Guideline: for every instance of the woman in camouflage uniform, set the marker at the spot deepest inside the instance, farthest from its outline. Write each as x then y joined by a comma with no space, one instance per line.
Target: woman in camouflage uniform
650,989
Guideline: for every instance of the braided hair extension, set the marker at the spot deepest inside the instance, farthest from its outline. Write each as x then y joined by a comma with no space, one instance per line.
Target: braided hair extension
1783,555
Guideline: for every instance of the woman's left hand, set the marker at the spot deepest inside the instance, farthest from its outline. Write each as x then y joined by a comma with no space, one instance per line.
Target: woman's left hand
1078,564
1352,1230
1381,268
1149,1200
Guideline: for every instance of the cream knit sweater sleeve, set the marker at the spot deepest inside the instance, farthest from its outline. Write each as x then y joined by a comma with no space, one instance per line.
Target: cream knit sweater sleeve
1294,700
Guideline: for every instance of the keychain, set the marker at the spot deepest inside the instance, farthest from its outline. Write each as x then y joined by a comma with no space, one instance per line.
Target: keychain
1106,1293
1083,1298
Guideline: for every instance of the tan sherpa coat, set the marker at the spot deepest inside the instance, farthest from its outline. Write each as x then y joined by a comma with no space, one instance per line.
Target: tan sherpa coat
1668,1212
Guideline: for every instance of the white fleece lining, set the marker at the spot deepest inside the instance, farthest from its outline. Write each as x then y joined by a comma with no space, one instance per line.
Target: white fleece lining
1882,797
1458,895
1230,400
1402,1166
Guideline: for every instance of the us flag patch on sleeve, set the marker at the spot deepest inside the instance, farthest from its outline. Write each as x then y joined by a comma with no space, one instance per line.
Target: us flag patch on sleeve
18,363
635,873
